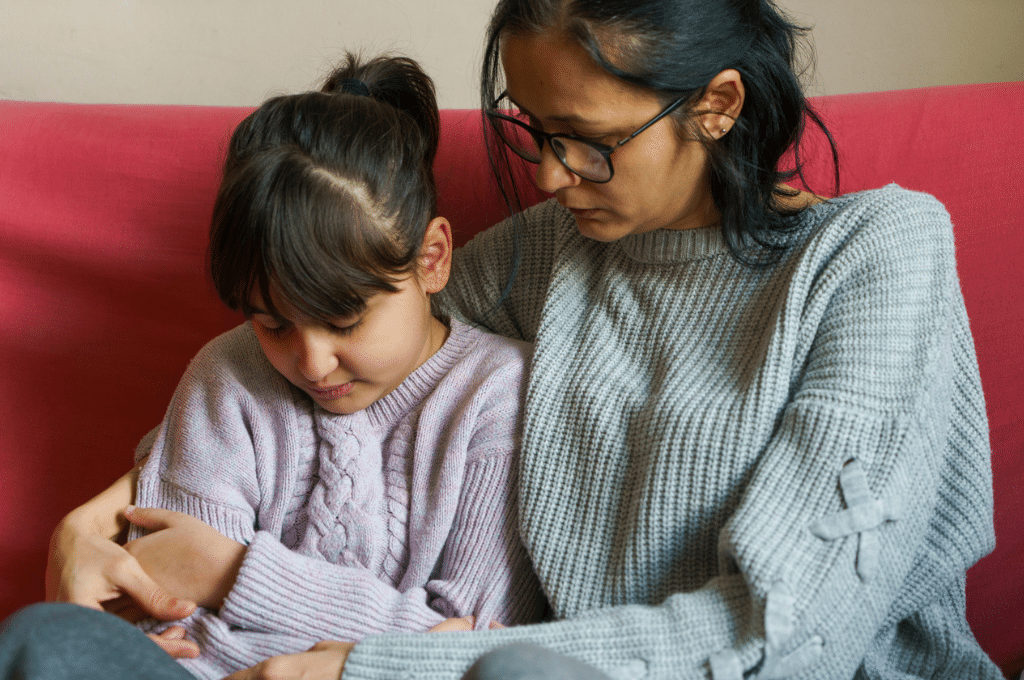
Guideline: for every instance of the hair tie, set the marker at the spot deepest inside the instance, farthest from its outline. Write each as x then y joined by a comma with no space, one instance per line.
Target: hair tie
355,86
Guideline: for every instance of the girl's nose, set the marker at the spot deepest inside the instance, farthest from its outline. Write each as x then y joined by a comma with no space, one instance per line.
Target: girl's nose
316,356
551,175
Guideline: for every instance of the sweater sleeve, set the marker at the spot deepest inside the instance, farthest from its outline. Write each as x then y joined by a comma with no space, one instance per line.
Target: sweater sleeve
866,506
483,572
202,459
466,557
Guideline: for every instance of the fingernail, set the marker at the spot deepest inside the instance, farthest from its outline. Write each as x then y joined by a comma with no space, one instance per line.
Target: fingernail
129,509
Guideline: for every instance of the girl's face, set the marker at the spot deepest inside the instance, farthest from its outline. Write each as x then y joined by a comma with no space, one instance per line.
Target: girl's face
352,362
660,180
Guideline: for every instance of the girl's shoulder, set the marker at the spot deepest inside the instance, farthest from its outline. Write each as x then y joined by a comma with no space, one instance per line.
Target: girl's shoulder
234,362
488,352
233,350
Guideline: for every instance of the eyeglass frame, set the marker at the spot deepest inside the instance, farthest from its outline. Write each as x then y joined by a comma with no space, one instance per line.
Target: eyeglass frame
540,137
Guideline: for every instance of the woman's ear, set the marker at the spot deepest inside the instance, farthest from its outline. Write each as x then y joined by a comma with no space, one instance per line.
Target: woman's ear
722,103
435,258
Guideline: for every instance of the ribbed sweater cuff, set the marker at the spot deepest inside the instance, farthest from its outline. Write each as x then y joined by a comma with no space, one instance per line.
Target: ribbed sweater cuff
280,591
679,635
233,522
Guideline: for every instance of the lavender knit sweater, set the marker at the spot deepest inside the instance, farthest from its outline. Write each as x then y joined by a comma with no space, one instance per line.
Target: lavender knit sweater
390,519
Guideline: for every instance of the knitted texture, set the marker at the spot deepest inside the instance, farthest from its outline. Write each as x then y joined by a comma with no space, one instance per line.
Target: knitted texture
736,473
392,518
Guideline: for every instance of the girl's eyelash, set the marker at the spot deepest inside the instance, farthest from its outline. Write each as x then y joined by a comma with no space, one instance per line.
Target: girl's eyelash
345,330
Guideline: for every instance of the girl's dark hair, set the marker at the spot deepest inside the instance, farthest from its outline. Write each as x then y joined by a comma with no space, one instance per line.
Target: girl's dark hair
674,48
327,194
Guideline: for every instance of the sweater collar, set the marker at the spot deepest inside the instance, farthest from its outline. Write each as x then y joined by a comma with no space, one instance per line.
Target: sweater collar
670,246
421,382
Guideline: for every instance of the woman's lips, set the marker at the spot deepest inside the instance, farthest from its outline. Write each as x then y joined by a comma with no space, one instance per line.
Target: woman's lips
585,213
334,392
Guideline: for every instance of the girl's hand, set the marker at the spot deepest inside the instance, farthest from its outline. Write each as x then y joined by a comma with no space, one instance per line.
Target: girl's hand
87,568
324,661
174,643
186,556
462,623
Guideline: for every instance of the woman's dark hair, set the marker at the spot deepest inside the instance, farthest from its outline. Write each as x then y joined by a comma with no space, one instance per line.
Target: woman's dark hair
674,48
327,195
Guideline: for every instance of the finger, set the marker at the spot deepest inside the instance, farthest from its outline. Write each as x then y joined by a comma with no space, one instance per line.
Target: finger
153,519
177,649
463,623
153,599
173,633
494,625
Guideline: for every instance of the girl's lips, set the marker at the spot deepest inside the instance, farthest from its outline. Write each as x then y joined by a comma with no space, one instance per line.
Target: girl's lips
334,392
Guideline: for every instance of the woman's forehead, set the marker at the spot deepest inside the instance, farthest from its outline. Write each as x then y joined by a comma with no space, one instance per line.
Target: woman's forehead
554,78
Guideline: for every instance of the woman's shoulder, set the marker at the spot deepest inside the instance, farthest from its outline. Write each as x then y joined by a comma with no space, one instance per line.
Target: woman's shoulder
888,206
542,221
890,219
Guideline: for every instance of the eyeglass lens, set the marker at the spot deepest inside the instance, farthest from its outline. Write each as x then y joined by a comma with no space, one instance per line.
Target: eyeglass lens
579,157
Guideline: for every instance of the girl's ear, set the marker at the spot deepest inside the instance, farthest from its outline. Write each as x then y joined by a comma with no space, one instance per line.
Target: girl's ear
723,102
435,258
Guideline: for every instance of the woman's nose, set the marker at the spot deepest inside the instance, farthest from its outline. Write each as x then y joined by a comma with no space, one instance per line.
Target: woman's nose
551,175
316,355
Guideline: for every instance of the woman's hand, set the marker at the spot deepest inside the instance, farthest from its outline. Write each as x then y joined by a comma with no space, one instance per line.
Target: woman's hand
323,661
86,567
186,556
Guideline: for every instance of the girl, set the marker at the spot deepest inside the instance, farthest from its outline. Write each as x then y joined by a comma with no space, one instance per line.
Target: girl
349,454
754,439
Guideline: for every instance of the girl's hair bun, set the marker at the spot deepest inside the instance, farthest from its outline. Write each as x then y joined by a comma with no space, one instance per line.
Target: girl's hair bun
395,81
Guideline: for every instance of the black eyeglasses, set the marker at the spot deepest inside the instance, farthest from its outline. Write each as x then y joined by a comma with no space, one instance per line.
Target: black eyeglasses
589,159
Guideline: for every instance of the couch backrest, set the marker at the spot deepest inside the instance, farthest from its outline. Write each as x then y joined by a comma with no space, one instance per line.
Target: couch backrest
103,218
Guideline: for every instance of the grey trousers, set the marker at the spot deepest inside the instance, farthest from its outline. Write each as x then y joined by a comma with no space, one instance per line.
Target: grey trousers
56,641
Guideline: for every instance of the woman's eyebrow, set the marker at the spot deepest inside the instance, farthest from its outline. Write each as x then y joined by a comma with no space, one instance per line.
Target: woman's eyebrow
572,118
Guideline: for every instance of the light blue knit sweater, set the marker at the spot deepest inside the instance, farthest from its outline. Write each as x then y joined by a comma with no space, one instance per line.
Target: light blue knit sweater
731,472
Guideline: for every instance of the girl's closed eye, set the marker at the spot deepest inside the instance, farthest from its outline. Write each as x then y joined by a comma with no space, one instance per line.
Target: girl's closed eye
345,326
274,327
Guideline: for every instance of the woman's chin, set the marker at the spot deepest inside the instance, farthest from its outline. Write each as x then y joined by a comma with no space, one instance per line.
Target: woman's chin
600,229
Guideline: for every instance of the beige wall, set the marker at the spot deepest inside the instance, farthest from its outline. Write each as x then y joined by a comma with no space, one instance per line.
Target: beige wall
240,51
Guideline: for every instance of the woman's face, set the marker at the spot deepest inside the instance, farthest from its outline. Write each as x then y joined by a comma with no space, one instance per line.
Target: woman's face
660,180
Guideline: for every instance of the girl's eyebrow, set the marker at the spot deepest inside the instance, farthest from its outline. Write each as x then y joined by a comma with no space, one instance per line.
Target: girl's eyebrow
253,311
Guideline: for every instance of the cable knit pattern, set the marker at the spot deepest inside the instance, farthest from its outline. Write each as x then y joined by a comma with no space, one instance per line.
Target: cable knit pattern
687,492
344,511
392,518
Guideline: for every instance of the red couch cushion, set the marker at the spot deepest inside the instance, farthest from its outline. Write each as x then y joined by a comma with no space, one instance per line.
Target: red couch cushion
103,218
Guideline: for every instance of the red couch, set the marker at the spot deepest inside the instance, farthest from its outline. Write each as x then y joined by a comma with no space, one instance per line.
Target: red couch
103,218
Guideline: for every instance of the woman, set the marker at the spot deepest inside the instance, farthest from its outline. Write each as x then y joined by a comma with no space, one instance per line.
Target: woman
755,440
